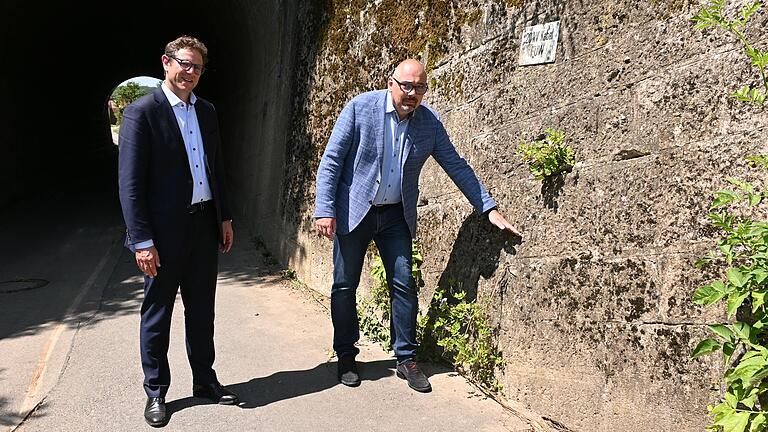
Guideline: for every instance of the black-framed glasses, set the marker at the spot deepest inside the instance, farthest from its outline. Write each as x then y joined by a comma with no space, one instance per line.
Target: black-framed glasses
407,87
188,65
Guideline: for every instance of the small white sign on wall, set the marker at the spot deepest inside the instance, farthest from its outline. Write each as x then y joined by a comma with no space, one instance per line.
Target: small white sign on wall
539,43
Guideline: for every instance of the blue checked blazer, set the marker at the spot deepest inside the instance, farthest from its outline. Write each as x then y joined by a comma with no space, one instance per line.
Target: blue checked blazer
350,169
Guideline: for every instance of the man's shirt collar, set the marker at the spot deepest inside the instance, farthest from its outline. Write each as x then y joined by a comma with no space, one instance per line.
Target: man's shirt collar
173,99
390,108
390,105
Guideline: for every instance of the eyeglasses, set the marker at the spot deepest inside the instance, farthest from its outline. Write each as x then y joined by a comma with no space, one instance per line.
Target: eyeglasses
407,86
188,65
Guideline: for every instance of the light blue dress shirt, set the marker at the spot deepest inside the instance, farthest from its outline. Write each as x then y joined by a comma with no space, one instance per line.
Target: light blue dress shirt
186,118
390,185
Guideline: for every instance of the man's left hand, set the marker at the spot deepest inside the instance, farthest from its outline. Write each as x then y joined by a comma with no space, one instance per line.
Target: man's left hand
229,236
497,219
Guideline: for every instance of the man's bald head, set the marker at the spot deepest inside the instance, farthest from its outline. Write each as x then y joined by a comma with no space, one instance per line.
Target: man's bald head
410,68
407,85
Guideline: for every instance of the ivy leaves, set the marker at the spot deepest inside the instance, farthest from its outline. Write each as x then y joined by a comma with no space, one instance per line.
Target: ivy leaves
712,16
744,251
749,94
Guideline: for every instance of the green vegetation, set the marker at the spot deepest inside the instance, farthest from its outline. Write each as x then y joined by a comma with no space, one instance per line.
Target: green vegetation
549,156
713,15
460,328
454,329
742,255
125,95
372,318
743,285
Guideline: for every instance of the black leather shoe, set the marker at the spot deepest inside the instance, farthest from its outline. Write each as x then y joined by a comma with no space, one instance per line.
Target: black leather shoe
347,372
409,370
154,412
215,392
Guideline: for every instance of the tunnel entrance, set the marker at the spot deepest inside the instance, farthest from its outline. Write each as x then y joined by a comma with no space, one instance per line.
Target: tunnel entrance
60,219
123,95
60,60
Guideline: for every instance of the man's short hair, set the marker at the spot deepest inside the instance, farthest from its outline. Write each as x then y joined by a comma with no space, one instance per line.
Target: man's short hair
188,42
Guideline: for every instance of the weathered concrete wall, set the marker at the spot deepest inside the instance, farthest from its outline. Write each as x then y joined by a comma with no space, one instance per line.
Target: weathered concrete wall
593,308
257,114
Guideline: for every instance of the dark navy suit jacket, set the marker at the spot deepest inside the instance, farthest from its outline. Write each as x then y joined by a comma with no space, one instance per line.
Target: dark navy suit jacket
155,181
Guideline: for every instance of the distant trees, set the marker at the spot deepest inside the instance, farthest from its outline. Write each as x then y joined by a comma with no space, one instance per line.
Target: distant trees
126,94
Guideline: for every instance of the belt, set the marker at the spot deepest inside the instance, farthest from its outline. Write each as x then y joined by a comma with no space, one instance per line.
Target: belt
382,206
199,206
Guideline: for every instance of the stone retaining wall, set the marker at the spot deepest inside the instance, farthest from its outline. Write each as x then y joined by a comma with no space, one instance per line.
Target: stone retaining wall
593,307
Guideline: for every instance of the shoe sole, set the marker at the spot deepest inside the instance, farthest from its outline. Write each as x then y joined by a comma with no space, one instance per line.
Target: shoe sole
220,402
418,389
350,383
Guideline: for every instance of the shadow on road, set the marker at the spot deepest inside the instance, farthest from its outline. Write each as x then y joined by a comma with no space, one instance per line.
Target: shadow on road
56,234
262,391
7,418
12,419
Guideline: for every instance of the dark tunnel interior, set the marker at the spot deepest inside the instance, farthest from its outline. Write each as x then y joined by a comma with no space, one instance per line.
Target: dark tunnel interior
61,60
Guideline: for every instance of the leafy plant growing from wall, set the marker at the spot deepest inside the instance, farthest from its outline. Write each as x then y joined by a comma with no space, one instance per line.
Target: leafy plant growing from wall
713,15
743,251
460,329
549,156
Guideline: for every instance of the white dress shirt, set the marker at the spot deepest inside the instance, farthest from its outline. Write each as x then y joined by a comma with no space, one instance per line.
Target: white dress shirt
186,118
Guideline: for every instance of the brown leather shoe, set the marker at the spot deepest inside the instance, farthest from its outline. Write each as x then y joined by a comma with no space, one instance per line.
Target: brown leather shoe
215,392
410,371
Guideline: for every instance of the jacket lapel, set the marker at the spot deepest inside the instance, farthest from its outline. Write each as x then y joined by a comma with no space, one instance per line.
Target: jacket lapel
380,113
169,118
413,129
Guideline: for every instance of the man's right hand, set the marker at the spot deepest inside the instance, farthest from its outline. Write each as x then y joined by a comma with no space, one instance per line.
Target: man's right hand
326,227
148,261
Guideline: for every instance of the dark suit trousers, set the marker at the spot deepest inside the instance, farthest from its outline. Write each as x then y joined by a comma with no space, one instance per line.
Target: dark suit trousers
195,274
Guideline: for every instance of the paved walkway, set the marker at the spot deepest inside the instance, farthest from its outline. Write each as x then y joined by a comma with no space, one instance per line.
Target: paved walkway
273,342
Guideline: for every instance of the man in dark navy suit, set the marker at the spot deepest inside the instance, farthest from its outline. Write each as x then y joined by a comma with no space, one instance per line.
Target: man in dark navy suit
173,200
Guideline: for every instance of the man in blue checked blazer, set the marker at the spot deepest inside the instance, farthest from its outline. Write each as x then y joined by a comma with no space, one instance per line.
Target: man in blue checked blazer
367,189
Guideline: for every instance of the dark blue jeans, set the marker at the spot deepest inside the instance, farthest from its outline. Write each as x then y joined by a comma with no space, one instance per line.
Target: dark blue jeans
387,227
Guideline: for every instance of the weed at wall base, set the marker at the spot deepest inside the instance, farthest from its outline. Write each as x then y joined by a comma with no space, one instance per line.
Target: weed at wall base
453,330
457,330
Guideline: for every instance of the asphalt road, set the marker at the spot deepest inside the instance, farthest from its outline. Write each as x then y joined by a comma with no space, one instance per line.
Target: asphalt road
69,327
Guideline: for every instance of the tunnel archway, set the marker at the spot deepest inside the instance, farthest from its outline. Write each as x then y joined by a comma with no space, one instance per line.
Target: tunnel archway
61,59
60,220
122,95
